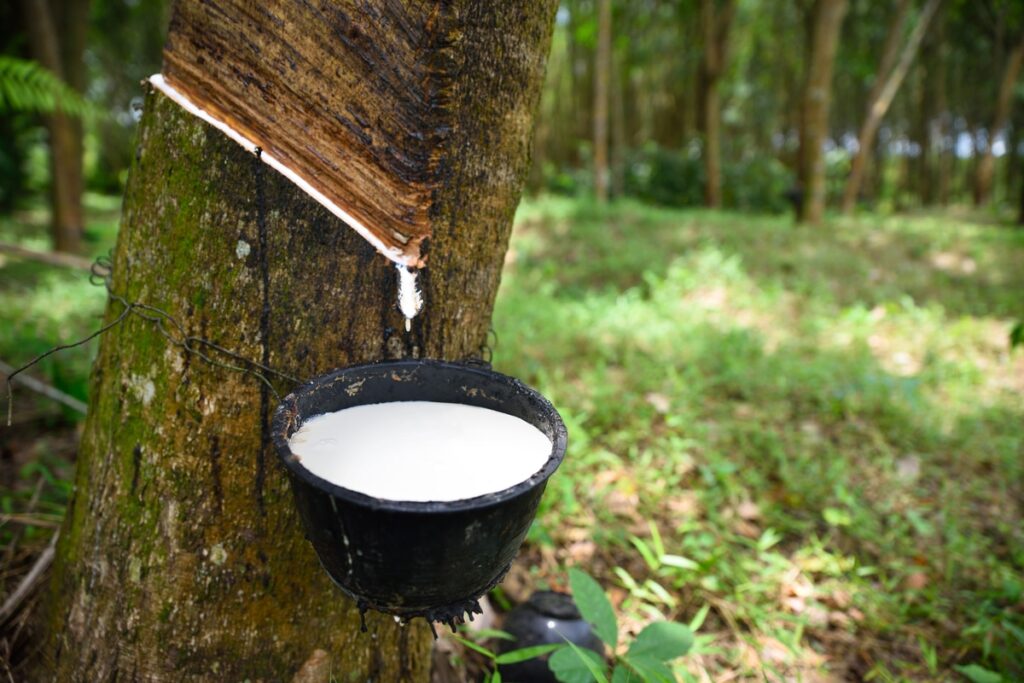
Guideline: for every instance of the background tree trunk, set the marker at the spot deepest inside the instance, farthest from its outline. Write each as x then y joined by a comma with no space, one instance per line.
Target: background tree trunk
935,161
61,53
825,23
181,557
602,75
618,129
1020,215
1004,103
878,105
715,24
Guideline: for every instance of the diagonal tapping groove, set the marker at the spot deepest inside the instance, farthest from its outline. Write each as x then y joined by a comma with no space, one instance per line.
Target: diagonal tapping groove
350,101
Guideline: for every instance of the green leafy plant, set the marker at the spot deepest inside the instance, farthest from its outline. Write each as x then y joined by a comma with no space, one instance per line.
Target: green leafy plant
512,657
979,674
26,86
646,659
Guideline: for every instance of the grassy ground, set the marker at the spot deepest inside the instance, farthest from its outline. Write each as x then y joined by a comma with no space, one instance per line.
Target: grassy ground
821,429
44,305
814,432
41,306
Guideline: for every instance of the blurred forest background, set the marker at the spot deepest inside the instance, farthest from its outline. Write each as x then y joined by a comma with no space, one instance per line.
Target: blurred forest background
769,266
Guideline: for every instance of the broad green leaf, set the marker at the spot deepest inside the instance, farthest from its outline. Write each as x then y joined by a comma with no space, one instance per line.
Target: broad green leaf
662,641
1014,631
979,674
594,606
650,669
1017,335
476,648
496,677
572,664
623,674
525,653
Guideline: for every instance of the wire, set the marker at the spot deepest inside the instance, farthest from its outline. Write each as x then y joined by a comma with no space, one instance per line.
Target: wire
101,274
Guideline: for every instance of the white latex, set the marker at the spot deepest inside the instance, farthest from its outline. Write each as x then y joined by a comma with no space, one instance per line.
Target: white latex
421,450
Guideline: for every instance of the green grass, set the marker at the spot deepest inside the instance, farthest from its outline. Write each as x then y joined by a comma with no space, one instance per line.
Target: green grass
814,431
824,423
43,305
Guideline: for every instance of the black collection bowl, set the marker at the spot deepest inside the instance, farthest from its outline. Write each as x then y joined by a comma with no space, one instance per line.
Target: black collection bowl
406,558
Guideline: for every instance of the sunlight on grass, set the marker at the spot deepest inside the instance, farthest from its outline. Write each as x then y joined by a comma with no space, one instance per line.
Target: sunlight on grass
823,423
815,432
45,305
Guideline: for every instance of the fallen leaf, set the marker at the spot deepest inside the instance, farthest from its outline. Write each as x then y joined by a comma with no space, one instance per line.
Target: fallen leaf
839,598
748,510
817,616
908,468
916,581
745,528
621,503
685,504
839,619
660,402
582,552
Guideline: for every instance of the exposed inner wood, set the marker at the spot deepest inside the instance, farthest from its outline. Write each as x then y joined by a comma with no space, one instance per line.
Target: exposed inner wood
367,131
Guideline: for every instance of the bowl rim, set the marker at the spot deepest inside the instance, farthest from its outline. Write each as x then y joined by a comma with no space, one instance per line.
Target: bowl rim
287,410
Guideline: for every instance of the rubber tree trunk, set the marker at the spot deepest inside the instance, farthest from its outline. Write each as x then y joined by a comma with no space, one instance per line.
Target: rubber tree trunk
826,20
618,127
715,23
1004,103
181,556
934,115
65,133
602,78
878,106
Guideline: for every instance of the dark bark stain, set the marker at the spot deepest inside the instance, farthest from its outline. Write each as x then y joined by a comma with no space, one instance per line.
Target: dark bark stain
261,224
136,463
404,669
218,488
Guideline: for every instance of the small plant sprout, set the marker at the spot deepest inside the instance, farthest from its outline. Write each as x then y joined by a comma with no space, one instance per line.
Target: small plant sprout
646,659
513,657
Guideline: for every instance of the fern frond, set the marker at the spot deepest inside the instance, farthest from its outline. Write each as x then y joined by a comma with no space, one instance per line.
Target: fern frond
27,87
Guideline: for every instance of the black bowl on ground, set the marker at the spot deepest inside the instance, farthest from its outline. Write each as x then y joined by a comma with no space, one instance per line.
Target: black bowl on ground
547,618
415,559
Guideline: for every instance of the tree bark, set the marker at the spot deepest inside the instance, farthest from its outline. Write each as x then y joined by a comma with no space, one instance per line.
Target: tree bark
825,23
879,106
935,117
72,22
602,76
715,24
65,132
1020,215
1004,103
618,129
181,556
